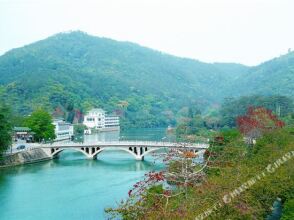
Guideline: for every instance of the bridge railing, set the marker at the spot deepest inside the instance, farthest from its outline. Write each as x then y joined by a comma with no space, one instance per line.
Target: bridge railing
136,143
129,143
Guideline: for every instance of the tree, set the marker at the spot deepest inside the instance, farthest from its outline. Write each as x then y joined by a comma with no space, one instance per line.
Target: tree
183,171
288,210
79,129
257,121
5,129
41,123
231,108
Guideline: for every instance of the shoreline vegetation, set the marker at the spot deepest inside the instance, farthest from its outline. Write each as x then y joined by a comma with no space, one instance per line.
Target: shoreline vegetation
231,162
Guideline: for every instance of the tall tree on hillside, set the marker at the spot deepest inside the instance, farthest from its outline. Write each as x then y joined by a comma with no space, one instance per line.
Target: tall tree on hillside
282,106
5,128
257,121
41,123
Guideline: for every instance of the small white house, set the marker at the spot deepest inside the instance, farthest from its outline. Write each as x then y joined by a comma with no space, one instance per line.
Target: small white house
98,120
63,130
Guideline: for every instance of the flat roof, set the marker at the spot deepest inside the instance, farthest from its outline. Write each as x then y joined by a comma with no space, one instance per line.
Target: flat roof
21,129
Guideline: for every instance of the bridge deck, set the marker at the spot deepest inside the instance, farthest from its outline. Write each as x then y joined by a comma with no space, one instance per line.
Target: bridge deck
152,144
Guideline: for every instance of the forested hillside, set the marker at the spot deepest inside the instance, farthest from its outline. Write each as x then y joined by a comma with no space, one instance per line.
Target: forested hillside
70,73
272,77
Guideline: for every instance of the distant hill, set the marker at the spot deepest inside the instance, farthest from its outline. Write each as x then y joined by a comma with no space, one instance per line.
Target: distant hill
69,73
272,77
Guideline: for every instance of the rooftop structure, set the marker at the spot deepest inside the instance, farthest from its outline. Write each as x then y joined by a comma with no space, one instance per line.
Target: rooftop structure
23,134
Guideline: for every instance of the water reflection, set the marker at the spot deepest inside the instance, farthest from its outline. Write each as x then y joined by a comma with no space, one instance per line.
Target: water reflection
154,134
102,136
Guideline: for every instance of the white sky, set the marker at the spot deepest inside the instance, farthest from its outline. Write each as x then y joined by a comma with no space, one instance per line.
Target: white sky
244,31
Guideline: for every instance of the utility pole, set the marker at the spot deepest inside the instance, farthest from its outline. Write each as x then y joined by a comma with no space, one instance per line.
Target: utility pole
278,109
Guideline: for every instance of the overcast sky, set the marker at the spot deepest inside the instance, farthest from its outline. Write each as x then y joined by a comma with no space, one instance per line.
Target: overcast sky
243,31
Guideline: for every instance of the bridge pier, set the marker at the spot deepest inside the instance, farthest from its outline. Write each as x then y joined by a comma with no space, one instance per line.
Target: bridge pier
90,157
138,152
139,158
91,152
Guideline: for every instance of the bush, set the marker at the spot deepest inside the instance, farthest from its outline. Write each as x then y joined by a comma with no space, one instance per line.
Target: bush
230,135
288,210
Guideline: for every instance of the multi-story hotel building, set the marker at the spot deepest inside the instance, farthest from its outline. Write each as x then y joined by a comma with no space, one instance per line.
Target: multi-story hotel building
98,120
63,130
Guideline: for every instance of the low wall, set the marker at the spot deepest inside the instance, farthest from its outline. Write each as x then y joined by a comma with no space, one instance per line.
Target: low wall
24,157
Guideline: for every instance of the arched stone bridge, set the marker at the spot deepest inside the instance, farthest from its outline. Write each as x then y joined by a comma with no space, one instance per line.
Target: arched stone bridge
138,149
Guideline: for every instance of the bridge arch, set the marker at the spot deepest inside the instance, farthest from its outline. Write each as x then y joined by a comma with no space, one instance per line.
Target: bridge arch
126,149
57,151
92,152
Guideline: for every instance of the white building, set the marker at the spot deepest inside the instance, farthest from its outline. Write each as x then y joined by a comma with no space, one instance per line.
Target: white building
63,130
111,121
98,120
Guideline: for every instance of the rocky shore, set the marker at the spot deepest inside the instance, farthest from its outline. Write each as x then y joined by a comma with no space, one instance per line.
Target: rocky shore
24,157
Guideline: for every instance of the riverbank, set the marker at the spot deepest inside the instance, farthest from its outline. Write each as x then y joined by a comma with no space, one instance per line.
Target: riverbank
24,157
83,188
240,181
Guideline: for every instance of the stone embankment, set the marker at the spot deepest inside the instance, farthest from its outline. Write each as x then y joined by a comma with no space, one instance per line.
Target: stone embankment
24,157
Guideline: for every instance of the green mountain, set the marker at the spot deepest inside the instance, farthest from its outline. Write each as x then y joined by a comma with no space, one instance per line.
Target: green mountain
69,73
272,77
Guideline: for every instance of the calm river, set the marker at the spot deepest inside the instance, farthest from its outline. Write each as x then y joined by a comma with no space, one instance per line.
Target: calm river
72,187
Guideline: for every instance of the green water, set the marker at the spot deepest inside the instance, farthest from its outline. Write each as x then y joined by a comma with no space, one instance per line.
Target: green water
72,187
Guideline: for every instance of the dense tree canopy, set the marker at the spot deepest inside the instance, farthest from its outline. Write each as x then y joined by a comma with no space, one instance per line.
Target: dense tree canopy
234,107
70,73
5,128
41,123
258,118
76,71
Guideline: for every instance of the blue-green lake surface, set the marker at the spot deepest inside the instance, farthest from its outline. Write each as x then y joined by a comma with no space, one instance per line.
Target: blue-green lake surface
72,187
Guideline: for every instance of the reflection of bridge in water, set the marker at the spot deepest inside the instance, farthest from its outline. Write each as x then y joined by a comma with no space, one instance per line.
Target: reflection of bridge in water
138,149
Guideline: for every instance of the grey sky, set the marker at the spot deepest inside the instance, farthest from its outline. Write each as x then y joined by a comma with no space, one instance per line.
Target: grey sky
244,31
